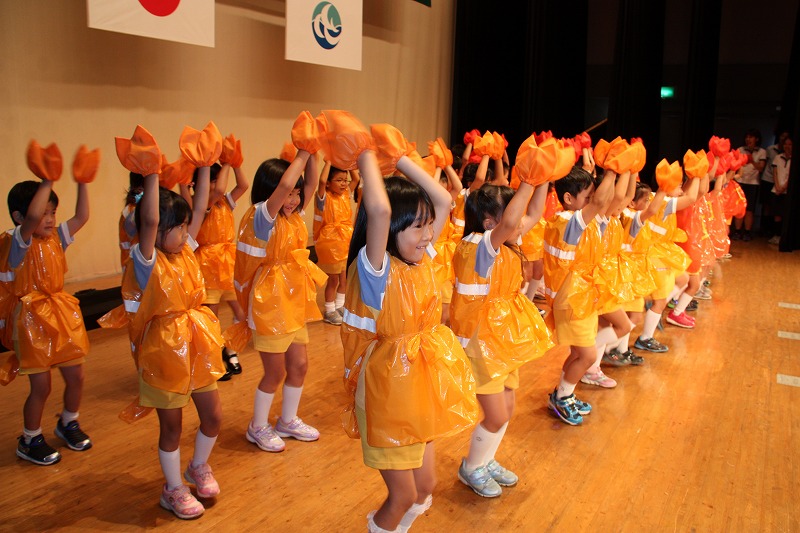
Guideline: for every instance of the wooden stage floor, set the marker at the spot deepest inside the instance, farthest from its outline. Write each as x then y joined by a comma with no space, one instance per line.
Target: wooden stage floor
702,438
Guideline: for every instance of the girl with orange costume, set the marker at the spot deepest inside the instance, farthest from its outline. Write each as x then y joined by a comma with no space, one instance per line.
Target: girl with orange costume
406,373
216,251
333,227
47,329
276,283
177,339
499,326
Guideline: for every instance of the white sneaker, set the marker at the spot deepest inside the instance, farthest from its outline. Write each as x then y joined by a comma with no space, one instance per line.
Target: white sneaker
775,240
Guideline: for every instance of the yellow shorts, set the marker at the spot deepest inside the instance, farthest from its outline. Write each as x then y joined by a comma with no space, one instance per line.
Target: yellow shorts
150,396
634,306
279,343
575,332
393,458
665,281
498,384
215,296
333,268
447,292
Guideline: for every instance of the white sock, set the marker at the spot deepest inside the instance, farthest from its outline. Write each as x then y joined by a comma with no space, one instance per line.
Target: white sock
413,512
500,434
677,291
171,467
330,307
202,448
481,444
534,287
565,388
291,401
29,434
595,368
624,341
67,417
683,301
261,407
651,319
605,336
339,300
524,289
372,527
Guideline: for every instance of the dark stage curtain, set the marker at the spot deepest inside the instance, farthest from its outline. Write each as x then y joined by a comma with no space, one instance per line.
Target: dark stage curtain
790,119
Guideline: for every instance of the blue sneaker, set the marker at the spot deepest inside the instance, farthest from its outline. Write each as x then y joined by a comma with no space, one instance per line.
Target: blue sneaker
565,408
584,408
503,476
479,480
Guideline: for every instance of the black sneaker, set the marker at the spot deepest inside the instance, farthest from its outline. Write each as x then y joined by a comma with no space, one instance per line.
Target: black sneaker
615,358
650,345
71,434
692,306
38,451
231,360
632,358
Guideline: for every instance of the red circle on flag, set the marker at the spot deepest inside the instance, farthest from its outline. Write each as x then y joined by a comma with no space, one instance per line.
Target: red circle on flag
160,8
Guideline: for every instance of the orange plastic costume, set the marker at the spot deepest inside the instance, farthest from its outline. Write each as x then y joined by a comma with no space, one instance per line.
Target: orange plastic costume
665,253
733,200
125,240
718,230
457,215
504,325
697,245
275,280
418,382
570,269
176,339
49,326
333,228
634,252
216,251
8,300
445,249
614,276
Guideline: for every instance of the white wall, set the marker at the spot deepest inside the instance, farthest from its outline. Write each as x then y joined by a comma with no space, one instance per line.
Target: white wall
66,83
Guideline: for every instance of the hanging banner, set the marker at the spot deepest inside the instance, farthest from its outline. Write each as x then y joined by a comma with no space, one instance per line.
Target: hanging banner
184,21
325,32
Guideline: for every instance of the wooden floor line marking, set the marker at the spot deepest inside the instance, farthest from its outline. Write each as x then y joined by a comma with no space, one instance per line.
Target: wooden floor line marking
789,335
787,305
792,381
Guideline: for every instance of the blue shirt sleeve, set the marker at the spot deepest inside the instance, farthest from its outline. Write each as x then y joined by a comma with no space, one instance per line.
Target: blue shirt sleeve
142,268
373,282
262,223
672,207
636,224
63,234
320,202
485,255
575,228
18,249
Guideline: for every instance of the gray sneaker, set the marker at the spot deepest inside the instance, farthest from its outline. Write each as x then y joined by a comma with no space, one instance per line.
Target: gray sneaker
503,476
479,480
333,318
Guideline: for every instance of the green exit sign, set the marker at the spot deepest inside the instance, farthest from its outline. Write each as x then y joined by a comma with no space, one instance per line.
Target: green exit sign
667,92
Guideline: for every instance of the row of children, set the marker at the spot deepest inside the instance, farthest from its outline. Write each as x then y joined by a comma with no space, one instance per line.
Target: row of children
411,378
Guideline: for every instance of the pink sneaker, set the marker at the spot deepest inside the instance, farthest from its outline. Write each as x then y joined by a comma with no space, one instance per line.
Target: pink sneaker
181,502
297,429
203,479
599,379
265,438
682,320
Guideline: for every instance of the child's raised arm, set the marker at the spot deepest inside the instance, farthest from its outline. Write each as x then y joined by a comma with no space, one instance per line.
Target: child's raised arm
535,208
81,216
220,188
512,215
355,178
602,197
201,195
311,179
654,205
441,198
36,210
148,216
323,179
375,202
287,184
455,182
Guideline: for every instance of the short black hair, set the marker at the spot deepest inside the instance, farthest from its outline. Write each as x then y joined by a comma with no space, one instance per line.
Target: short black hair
576,181
21,195
173,210
471,170
268,176
488,201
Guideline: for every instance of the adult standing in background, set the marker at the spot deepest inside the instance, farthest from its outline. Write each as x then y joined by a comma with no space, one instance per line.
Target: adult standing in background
767,197
749,180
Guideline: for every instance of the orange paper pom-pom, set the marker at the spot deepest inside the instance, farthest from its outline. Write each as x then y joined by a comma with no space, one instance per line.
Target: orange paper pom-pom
696,164
231,152
201,147
85,164
139,154
45,163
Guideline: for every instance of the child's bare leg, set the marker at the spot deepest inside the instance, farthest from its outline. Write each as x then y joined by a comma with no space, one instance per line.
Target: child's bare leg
34,404
73,387
402,488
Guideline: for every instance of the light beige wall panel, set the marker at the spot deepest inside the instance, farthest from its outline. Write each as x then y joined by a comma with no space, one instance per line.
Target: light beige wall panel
67,83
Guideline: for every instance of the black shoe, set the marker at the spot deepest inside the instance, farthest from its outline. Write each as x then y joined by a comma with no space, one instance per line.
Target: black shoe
226,376
634,359
38,451
231,361
71,434
650,345
747,237
692,306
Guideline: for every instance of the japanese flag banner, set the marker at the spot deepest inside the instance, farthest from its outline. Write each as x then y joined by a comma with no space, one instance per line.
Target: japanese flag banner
184,21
